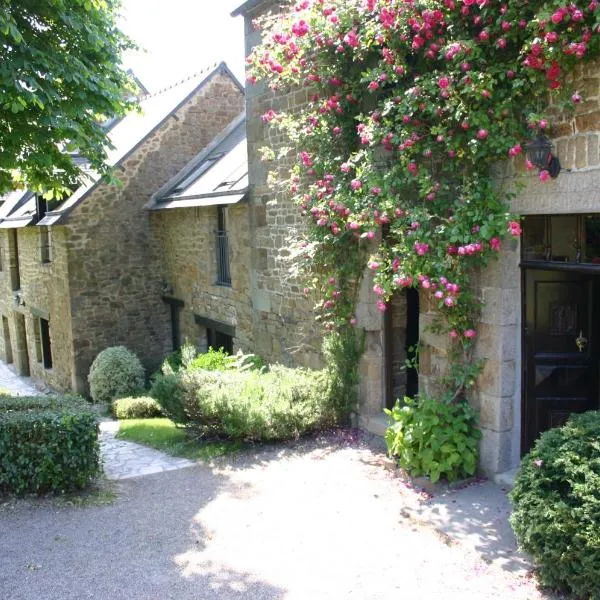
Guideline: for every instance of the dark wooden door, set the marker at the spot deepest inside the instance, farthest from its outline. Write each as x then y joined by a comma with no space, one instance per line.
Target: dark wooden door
561,349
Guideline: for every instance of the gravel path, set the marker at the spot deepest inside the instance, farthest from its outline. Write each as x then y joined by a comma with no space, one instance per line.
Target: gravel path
310,521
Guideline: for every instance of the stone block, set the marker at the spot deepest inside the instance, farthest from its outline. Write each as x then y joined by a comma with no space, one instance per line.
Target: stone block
588,122
593,151
498,379
497,342
581,146
495,451
495,413
500,306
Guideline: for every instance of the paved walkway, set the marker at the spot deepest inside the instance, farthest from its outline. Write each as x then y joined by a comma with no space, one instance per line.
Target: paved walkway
19,386
121,459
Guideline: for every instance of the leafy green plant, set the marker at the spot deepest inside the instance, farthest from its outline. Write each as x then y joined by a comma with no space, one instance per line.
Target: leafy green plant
433,438
115,373
556,505
342,350
213,360
48,449
140,407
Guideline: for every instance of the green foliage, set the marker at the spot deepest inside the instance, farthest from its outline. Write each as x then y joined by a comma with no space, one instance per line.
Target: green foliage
47,448
164,435
61,77
166,390
432,438
213,360
52,402
140,407
115,373
342,350
250,405
556,505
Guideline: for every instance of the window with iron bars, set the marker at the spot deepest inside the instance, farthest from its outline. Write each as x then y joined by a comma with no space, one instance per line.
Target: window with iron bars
45,245
222,248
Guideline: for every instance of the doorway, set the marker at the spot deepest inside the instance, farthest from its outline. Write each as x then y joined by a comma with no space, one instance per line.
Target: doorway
561,347
7,343
401,339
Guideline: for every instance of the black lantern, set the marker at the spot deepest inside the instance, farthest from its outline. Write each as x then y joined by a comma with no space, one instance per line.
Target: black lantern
539,153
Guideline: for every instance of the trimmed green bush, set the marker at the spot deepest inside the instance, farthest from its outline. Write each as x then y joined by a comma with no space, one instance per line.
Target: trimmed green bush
556,506
41,402
115,373
248,405
167,391
51,449
140,407
433,438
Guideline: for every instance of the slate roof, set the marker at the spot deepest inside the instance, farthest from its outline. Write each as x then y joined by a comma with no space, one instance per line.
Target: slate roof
217,175
129,133
247,6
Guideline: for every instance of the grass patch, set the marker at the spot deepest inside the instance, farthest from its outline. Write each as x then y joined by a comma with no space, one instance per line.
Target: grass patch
164,435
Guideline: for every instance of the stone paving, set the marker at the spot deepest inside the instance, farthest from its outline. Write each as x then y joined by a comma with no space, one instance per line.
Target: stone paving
121,459
19,386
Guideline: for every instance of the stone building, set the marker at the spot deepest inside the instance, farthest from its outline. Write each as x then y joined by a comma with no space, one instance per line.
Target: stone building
539,331
85,275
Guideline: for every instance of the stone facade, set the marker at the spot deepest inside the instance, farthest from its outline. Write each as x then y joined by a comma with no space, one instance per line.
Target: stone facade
498,393
284,320
102,286
188,265
284,326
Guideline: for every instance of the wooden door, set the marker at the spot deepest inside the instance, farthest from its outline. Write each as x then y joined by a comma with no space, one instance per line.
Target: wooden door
560,351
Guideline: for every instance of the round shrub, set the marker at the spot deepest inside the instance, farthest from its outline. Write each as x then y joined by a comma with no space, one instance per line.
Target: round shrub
141,407
115,373
556,499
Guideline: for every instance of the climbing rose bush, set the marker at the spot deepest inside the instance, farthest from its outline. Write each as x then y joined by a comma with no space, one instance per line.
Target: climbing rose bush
411,103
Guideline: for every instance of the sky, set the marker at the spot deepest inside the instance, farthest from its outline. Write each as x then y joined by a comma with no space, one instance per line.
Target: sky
182,37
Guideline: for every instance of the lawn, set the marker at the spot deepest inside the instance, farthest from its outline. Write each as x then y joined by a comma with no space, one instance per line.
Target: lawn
164,435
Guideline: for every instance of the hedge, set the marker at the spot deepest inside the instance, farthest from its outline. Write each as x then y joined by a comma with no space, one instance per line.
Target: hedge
280,404
47,445
141,407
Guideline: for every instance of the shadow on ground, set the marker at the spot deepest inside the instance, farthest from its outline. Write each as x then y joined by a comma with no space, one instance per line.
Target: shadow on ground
477,515
124,550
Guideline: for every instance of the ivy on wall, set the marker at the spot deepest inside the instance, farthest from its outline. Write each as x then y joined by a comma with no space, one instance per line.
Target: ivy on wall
411,103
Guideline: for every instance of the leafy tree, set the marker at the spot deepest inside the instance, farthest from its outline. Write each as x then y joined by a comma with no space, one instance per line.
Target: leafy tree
61,77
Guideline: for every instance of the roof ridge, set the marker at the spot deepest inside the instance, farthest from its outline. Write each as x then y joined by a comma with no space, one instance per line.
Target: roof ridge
175,84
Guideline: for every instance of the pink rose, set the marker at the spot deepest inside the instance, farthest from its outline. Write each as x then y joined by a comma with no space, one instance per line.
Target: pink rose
470,333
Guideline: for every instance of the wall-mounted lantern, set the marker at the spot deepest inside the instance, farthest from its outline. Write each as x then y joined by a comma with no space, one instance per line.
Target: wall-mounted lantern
539,153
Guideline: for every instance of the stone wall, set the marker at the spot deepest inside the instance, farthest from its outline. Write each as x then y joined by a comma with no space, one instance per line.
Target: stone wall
188,264
498,394
284,327
114,265
43,293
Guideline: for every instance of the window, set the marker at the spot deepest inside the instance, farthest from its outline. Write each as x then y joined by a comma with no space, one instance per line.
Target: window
218,335
43,347
45,245
222,247
13,255
562,238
